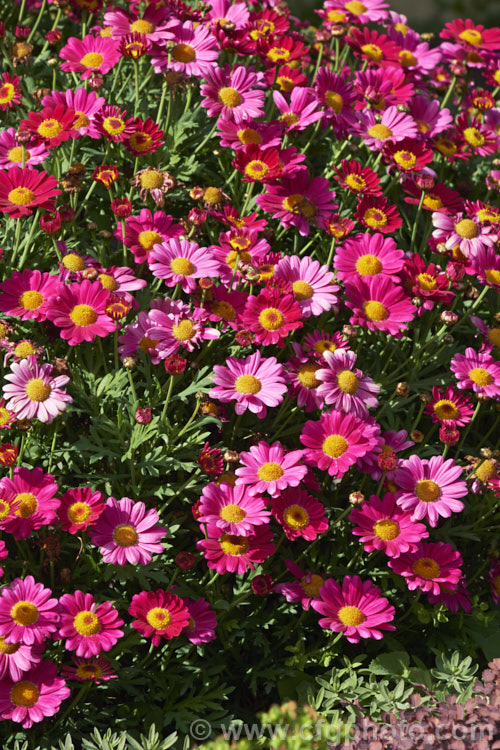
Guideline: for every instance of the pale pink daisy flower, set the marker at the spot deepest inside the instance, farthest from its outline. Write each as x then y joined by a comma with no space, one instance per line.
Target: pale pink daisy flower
182,262
301,111
415,55
86,105
393,126
344,386
313,284
429,117
234,553
184,329
202,621
79,310
357,609
26,294
233,93
145,230
368,255
429,567
16,658
254,383
225,10
231,509
28,614
193,54
300,514
338,11
270,469
477,370
11,153
30,494
300,374
33,392
379,305
462,231
382,525
36,695
97,669
304,590
92,54
89,628
127,532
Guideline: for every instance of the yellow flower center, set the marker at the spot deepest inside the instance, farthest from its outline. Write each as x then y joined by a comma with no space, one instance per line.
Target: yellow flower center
140,141
348,382
7,92
81,120
89,671
256,169
471,36
184,331
234,256
426,281
323,345
485,471
4,508
355,182
229,97
375,310
125,536
380,132
27,504
270,472
25,694
474,137
16,154
87,623
336,16
277,54
114,125
422,126
351,616
446,147
49,128
24,349
21,196
296,517
480,376
405,159
407,58
313,586
271,319
73,262
289,118
92,60
224,310
142,27
146,343
248,384
79,512
249,135
182,266
466,229
159,618
31,300
444,409
386,529
234,545
368,265
302,290
37,390
184,53
427,490
227,476
334,101
151,180
148,238
24,613
212,195
426,568
306,375
335,446
298,204
373,52
375,218
83,315
8,648
232,513
493,337
108,281
492,275
433,202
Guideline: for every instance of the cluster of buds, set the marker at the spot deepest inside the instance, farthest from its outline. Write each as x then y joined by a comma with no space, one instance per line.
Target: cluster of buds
71,181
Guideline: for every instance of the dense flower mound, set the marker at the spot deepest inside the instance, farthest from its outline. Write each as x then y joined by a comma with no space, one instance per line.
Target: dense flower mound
250,372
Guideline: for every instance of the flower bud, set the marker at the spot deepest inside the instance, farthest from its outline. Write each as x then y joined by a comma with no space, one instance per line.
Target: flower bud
262,584
402,389
129,363
425,398
449,435
349,331
416,436
244,337
232,457
387,460
143,415
448,317
448,338
356,499
206,282
424,181
185,560
175,364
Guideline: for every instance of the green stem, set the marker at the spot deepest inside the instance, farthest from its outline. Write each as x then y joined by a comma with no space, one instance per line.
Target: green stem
448,93
132,387
167,399
37,21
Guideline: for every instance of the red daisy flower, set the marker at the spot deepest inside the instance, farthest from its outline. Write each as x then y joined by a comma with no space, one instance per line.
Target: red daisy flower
113,123
280,50
358,179
159,614
52,125
134,45
107,174
271,316
437,198
10,92
373,47
479,137
257,164
470,36
408,155
22,190
426,281
377,213
146,138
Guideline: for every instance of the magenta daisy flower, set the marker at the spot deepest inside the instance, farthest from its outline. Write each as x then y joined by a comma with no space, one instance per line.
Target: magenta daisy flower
344,386
24,189
382,525
304,590
231,509
300,514
449,407
80,508
127,532
98,669
338,11
452,597
17,658
311,282
317,343
429,567
182,262
152,23
144,231
135,339
254,383
486,265
379,305
86,104
301,111
31,498
38,694
392,127
89,628
234,553
336,442
11,153
270,469
271,316
158,614
26,294
202,621
233,93
28,614
33,392
357,609
430,488
194,52
92,54
477,370
429,117
302,381
368,255
80,311
494,580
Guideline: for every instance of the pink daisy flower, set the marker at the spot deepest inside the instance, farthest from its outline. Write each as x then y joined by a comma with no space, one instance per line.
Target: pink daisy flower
271,316
429,488
11,153
486,264
449,407
225,10
382,525
120,281
430,119
38,694
185,328
202,621
86,105
80,311
28,615
33,392
233,94
336,442
357,609
231,509
477,370
338,11
463,232
89,628
302,381
337,96
367,255
92,54
304,590
301,111
127,532
392,443
254,383
344,386
80,508
17,658
144,231
159,614
194,53
429,567
237,135
182,262
300,514
31,498
379,305
452,597
26,294
311,282
392,127
319,342
270,469
234,553
152,24
97,669
23,190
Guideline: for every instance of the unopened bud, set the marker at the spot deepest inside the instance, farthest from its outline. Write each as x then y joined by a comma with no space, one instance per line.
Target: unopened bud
448,317
349,331
449,435
232,457
416,436
402,389
356,498
185,560
129,363
448,338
